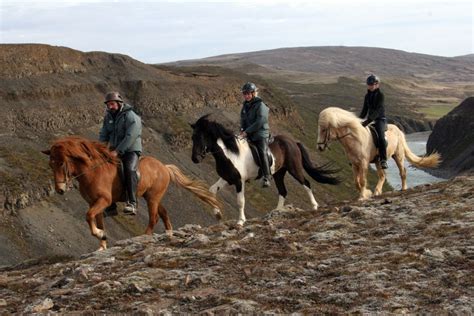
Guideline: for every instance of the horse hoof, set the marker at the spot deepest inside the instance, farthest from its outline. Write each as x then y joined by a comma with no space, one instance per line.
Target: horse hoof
101,249
169,233
315,207
218,216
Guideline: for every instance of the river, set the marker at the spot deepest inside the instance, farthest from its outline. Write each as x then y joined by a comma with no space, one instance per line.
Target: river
417,144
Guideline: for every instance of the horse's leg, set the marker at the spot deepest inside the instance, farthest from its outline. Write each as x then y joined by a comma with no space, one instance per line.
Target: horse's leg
153,198
221,183
365,193
241,202
100,225
360,180
166,220
381,181
91,215
298,175
399,158
280,184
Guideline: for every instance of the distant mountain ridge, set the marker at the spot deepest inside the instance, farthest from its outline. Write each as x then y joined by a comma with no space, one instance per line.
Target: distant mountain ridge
342,60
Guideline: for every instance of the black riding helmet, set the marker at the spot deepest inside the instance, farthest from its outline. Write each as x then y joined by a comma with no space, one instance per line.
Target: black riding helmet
249,87
372,79
113,96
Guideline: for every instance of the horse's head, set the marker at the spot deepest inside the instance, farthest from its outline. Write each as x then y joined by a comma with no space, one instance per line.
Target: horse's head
61,168
324,137
201,139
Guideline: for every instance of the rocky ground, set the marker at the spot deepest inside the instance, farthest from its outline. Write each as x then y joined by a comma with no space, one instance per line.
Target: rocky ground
410,252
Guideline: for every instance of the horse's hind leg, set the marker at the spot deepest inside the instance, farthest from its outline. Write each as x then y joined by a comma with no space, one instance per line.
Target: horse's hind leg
280,184
153,200
399,158
298,175
163,213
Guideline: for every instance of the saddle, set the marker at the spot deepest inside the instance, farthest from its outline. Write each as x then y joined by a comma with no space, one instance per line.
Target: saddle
256,157
375,138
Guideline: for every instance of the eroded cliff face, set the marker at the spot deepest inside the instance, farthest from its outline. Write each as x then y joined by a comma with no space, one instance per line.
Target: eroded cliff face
48,92
403,252
453,138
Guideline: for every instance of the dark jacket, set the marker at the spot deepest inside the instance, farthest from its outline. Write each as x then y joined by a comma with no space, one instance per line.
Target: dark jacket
122,131
373,106
254,119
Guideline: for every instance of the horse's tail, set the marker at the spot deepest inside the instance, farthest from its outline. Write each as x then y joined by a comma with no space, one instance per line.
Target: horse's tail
320,174
196,187
430,161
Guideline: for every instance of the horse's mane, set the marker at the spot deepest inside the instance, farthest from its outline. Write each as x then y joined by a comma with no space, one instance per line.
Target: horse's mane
333,117
216,131
84,149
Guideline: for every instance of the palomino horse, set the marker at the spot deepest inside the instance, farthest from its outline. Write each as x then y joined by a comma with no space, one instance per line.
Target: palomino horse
235,163
95,168
346,127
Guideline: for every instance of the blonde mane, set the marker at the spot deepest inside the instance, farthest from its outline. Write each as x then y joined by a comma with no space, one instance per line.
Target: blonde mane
333,117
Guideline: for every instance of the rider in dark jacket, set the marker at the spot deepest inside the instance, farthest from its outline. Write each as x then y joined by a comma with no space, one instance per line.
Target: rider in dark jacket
254,126
122,129
375,112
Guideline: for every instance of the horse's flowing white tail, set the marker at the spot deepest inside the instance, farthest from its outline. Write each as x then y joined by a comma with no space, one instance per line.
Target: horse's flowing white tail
430,161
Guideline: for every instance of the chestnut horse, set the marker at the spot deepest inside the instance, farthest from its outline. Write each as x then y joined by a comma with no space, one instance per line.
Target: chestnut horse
344,126
94,166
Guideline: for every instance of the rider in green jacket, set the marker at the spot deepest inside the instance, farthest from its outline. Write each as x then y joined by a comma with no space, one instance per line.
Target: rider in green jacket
122,129
254,126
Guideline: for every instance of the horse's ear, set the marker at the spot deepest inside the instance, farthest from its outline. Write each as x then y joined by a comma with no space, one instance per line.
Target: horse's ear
46,152
192,125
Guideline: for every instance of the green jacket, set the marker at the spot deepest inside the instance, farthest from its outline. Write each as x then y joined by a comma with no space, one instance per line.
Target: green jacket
254,119
122,131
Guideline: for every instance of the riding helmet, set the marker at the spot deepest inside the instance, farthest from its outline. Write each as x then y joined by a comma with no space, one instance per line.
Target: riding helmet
249,87
372,79
113,96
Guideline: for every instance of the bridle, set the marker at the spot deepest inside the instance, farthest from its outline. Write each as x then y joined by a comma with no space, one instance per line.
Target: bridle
68,178
327,138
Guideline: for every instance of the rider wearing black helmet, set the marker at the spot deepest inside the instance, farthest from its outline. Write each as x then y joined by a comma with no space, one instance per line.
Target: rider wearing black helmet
374,111
122,129
254,125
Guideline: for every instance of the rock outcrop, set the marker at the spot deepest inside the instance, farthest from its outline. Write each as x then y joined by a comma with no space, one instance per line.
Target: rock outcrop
404,252
453,138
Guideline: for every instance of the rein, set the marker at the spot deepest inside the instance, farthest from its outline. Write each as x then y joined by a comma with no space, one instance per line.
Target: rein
68,179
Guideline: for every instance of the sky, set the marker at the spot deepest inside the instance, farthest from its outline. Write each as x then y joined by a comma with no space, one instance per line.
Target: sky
163,31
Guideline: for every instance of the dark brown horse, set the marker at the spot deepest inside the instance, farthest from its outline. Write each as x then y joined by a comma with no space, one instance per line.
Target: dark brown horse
94,166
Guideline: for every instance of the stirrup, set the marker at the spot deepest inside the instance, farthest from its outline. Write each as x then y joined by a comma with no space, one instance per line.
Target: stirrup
130,209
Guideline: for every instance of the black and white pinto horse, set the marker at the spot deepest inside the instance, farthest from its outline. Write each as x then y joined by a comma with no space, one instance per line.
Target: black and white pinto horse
235,163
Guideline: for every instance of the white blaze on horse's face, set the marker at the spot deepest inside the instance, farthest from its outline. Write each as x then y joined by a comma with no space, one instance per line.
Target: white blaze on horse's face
60,175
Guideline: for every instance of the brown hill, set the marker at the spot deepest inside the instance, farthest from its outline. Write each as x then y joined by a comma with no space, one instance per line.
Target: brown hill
350,61
47,92
419,88
453,138
401,253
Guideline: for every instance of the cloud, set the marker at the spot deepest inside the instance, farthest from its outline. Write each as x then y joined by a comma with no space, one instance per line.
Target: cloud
159,31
